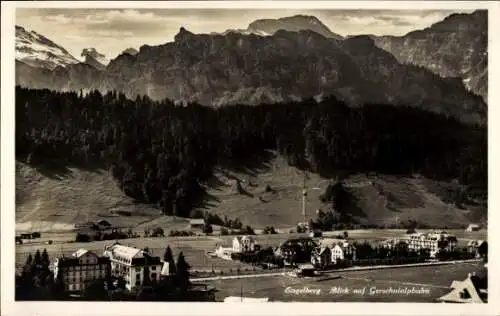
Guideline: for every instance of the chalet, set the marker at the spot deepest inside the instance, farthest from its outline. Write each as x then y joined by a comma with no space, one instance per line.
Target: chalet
473,227
196,223
243,244
26,236
224,252
471,290
341,249
474,247
321,256
83,266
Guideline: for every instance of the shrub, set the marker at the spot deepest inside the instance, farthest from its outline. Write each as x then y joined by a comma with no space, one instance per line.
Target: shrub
82,237
301,229
269,230
248,230
158,232
224,231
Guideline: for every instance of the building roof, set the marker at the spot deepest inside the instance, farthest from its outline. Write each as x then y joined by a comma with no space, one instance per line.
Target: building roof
243,238
126,251
474,286
80,252
322,250
197,221
75,261
306,266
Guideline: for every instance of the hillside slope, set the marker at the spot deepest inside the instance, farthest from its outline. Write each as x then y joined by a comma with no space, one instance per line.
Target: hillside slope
49,200
382,200
56,201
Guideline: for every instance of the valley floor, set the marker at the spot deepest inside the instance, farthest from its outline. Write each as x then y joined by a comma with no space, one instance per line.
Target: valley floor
429,282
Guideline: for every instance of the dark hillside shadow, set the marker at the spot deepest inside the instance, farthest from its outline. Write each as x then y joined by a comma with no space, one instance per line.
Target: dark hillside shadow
59,169
206,200
252,164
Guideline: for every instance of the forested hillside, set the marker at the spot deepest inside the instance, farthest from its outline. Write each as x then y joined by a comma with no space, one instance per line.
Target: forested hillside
163,154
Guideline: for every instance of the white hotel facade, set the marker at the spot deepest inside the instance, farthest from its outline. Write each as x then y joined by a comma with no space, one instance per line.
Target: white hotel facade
130,263
434,241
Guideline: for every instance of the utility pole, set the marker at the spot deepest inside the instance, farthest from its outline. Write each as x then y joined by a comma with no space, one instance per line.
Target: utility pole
304,198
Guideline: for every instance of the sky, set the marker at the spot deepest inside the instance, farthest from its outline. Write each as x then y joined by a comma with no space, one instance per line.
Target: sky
111,31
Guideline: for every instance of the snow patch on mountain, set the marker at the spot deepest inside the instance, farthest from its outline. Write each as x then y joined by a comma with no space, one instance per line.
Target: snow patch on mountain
92,53
38,51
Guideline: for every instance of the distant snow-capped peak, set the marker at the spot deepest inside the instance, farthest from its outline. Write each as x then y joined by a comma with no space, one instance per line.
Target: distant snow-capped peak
38,51
91,55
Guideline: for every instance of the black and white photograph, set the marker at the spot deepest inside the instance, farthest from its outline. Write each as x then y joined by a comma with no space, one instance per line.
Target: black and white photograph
253,154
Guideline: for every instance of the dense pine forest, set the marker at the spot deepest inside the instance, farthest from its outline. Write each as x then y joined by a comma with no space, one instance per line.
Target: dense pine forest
162,153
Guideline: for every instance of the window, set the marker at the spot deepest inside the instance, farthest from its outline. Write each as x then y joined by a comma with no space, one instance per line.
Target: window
137,269
153,276
137,276
137,283
153,268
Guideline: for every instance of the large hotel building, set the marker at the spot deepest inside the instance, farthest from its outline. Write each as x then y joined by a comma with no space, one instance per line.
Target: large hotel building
434,241
130,263
82,267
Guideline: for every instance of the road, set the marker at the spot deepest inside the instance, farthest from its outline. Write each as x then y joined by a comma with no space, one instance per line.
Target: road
379,267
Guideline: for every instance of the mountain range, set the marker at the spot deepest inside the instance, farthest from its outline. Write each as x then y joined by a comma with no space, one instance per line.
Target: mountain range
289,59
454,47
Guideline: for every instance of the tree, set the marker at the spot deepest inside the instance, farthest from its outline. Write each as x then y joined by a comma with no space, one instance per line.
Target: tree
248,231
207,228
38,259
345,235
169,258
95,290
45,261
182,268
29,260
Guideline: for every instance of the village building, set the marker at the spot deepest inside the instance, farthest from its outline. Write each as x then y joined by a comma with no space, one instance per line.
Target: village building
321,256
197,223
477,247
243,244
305,270
391,243
473,227
474,289
134,265
343,251
340,249
83,266
433,241
224,252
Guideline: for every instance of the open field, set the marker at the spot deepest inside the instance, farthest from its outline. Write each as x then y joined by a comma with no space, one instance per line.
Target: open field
435,280
55,199
371,235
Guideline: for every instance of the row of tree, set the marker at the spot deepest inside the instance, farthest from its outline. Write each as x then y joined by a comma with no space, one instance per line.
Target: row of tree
161,153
